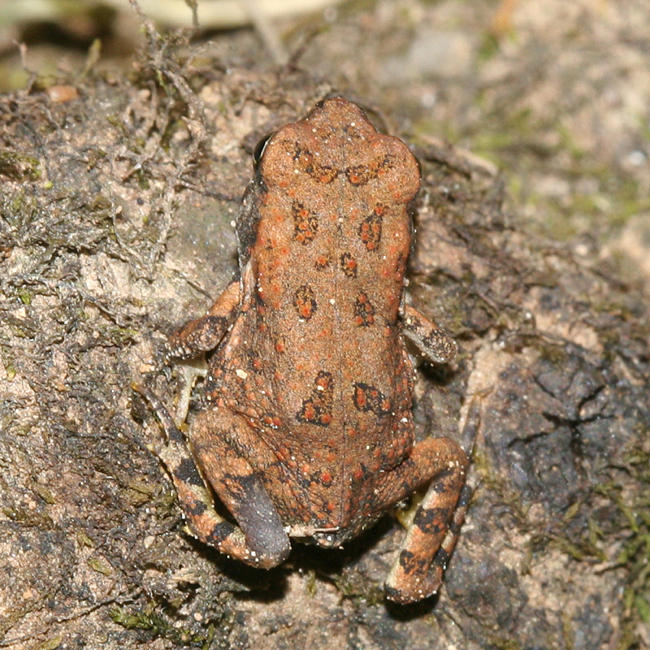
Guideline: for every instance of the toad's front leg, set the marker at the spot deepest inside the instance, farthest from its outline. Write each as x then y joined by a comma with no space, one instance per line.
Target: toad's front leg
430,339
220,440
205,333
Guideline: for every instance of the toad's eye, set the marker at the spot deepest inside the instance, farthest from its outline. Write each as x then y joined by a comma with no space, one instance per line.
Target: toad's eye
259,149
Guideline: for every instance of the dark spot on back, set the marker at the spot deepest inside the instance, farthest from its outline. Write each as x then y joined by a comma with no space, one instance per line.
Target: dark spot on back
369,398
362,174
305,223
305,302
348,265
317,408
306,163
370,231
364,312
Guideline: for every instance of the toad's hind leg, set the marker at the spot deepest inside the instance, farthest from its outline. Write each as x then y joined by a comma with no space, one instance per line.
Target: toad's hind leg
259,538
431,537
418,569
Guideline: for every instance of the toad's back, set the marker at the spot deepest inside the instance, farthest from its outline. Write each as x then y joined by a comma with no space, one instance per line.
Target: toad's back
324,283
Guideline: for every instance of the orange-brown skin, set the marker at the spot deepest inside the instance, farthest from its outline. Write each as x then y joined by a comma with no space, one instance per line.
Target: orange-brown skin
308,430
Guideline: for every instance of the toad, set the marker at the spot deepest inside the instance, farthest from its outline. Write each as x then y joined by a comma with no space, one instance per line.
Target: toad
307,431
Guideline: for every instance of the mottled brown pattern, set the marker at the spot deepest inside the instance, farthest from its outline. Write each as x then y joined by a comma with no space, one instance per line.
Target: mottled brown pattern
308,432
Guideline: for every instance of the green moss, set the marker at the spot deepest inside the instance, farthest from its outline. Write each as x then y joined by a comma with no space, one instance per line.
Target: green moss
166,503
160,627
29,518
25,296
632,527
567,630
572,511
118,336
311,585
11,371
100,565
503,643
17,202
135,619
44,493
513,130
493,483
143,181
50,644
19,166
488,49
555,354
579,550
140,492
643,607
569,144
84,540
352,584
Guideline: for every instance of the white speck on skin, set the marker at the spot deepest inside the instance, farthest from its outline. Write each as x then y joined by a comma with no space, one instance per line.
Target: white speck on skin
242,374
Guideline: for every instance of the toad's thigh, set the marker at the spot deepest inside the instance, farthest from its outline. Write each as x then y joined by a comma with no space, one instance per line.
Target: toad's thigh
231,459
440,461
228,450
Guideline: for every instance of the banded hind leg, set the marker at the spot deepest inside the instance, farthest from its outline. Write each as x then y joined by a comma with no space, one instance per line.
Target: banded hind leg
219,442
432,535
